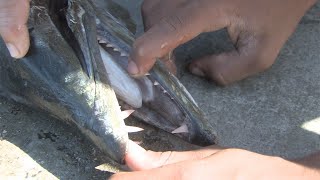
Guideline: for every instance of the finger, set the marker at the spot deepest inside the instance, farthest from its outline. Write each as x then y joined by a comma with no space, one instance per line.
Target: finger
198,169
252,57
149,17
13,29
139,159
154,10
16,39
168,172
169,33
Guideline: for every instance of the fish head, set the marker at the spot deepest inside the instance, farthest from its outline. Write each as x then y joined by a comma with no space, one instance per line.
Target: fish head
158,98
76,71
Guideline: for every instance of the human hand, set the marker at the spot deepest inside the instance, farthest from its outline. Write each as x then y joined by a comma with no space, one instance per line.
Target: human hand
13,29
210,163
258,30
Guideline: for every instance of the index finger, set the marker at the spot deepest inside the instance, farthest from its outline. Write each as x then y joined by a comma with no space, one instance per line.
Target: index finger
13,29
188,22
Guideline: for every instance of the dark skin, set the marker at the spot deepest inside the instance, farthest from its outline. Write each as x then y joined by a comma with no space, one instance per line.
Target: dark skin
258,28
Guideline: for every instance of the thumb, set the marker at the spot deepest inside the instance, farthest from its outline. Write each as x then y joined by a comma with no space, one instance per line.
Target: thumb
138,158
13,29
236,65
169,33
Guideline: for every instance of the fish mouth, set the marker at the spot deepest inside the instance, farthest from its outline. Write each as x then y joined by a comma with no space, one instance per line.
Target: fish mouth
157,98
76,71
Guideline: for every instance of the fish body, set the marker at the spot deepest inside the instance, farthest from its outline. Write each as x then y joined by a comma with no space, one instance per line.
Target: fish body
75,71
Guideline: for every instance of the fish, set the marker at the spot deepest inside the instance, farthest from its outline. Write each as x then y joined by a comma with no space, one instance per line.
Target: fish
75,70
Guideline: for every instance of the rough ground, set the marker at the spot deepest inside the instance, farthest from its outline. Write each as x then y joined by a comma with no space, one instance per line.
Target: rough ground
276,113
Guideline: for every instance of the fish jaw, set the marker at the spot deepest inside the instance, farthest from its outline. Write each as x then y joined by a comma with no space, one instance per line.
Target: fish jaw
166,103
51,78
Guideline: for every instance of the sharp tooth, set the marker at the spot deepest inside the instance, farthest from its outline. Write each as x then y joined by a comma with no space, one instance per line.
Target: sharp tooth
138,142
102,41
133,129
156,83
109,45
116,49
123,55
147,74
181,129
164,91
126,114
172,98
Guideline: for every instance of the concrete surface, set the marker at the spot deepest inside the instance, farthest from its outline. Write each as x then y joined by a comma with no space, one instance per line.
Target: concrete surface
276,113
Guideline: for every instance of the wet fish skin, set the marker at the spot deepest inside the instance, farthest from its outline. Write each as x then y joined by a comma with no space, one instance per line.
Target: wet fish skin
51,78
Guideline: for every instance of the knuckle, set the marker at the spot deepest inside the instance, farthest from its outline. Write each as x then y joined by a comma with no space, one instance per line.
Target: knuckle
173,23
262,64
139,48
165,157
217,75
219,79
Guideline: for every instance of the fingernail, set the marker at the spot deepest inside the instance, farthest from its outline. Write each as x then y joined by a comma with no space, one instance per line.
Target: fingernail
197,71
132,68
14,52
138,158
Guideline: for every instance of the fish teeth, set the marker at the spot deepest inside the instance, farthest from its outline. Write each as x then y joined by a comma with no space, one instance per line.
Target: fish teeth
133,129
147,74
156,83
102,41
109,45
181,129
138,142
116,49
164,91
126,114
123,54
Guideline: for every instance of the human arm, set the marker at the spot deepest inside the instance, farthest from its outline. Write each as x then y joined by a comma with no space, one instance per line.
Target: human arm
258,30
213,162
